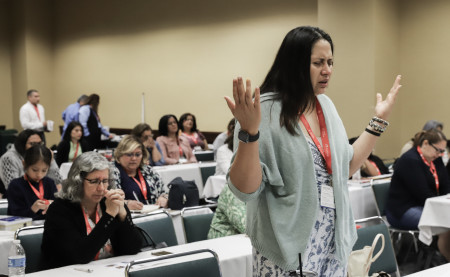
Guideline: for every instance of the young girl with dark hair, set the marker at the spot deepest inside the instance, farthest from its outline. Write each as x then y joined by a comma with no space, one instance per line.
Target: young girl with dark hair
31,194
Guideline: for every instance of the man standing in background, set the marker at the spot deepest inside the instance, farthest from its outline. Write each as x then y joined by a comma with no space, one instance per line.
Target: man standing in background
71,112
32,114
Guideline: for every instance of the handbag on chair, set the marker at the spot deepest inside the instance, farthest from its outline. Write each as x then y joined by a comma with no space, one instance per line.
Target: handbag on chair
360,260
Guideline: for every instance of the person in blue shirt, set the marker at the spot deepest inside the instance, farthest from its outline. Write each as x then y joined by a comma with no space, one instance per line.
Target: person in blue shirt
92,128
71,112
143,132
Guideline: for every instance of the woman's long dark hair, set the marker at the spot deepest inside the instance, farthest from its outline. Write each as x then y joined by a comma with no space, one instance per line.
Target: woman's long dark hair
94,101
68,133
162,126
290,76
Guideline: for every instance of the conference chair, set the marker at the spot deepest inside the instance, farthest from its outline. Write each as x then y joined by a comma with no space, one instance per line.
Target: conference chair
186,264
381,192
31,239
207,171
204,156
366,234
196,222
3,206
159,226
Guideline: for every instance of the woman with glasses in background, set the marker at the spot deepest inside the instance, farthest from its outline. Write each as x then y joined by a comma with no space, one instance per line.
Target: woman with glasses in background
11,163
175,150
419,174
89,219
143,132
137,179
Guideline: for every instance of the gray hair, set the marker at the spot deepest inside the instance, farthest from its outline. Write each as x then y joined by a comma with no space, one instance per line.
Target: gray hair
432,124
72,187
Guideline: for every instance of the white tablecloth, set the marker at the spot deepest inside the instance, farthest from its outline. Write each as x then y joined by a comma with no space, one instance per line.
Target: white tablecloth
64,169
362,201
235,256
189,172
214,186
435,218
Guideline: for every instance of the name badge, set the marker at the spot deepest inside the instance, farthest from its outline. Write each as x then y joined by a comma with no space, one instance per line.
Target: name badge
327,197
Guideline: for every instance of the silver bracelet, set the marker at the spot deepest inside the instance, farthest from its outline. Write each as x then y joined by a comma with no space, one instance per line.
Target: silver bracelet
379,120
377,127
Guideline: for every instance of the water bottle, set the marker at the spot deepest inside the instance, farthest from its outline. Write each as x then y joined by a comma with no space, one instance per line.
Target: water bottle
16,260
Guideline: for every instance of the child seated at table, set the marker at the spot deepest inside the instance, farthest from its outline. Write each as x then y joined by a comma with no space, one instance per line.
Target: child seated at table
31,194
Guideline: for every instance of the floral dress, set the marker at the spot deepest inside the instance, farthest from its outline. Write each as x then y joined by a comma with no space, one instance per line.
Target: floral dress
320,253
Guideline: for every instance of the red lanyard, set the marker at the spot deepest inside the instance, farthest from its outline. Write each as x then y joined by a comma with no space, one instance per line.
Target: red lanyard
325,150
40,193
37,111
432,168
88,226
141,184
181,151
193,137
376,167
76,151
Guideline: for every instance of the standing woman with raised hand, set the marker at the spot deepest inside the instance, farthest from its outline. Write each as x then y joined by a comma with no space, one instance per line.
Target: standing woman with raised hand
293,160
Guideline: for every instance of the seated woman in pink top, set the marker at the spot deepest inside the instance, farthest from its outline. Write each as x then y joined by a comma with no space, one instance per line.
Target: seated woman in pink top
189,131
175,150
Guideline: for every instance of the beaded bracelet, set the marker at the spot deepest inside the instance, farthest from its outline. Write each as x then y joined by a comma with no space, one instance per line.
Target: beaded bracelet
377,127
372,132
379,120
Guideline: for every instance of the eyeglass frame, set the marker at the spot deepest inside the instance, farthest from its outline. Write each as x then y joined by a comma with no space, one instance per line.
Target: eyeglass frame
96,182
131,155
440,151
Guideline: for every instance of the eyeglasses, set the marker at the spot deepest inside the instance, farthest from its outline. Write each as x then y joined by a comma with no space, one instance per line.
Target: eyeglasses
440,151
36,143
147,137
131,155
97,182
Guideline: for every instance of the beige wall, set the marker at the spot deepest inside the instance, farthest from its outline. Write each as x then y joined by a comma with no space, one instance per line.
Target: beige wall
6,109
183,55
424,55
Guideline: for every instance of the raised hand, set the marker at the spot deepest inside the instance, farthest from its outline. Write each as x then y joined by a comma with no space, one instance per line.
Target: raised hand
245,109
383,108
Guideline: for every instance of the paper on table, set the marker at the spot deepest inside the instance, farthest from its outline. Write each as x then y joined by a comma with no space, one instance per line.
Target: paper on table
147,209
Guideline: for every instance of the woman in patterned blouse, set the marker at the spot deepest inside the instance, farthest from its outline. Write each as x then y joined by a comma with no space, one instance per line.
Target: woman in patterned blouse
138,180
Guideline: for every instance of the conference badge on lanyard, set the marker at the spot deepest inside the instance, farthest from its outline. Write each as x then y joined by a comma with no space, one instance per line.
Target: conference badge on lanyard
327,194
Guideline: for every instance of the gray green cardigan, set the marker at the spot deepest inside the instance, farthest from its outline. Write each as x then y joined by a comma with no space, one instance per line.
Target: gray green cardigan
282,212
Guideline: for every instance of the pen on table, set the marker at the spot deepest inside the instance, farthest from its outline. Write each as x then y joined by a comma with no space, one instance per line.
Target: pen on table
137,199
87,270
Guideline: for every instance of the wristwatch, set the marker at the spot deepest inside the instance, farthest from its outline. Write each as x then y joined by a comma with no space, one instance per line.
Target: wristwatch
246,138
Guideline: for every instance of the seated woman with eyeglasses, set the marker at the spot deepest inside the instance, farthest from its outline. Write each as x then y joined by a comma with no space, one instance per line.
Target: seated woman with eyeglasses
143,132
140,183
418,174
89,219
175,150
11,163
